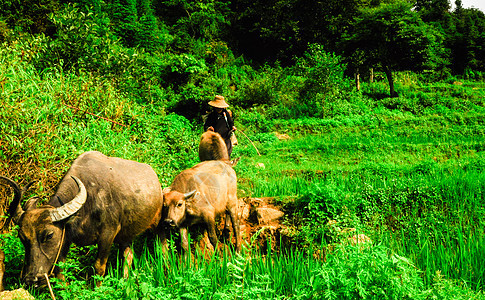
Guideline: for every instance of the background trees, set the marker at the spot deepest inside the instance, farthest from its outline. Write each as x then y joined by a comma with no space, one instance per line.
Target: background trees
465,37
393,37
177,51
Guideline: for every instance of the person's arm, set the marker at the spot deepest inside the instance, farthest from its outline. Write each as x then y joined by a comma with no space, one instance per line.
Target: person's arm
230,120
209,122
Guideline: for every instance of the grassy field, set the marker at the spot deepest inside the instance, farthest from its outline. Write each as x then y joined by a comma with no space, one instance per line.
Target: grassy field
408,172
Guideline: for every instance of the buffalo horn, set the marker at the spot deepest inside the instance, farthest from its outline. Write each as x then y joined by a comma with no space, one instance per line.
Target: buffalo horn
14,210
70,208
189,194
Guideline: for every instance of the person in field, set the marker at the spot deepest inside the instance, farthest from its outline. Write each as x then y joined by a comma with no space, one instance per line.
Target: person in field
220,120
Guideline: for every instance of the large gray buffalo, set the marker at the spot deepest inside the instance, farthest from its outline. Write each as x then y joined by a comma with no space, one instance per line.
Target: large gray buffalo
101,200
199,195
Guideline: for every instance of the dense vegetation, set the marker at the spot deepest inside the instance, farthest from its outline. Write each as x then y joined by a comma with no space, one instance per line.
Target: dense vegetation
132,79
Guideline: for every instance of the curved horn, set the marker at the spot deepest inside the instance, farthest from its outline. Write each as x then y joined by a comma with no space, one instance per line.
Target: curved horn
14,210
189,194
70,208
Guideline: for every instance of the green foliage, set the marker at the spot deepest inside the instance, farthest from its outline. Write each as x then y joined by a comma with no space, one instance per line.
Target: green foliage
353,273
347,273
464,39
194,20
262,88
28,16
322,71
391,35
315,209
134,22
14,254
323,75
80,42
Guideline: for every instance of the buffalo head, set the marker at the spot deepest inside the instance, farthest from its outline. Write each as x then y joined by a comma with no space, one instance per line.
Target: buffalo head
41,230
177,206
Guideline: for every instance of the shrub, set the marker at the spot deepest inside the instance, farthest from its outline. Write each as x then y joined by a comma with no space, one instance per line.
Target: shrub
315,209
14,257
365,272
323,72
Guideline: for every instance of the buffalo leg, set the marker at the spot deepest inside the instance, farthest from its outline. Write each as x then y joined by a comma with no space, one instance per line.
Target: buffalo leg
184,236
235,227
162,237
103,254
100,264
127,259
211,230
227,226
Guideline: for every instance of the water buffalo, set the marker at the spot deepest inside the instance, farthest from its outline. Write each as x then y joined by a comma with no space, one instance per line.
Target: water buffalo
101,200
199,195
212,147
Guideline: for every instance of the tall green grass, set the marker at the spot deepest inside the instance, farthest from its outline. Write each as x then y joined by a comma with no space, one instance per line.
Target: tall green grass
346,272
421,195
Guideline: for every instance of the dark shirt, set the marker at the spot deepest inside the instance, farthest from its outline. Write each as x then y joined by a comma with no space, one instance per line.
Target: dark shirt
219,123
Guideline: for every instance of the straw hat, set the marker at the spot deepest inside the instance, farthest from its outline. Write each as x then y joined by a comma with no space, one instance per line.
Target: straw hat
218,102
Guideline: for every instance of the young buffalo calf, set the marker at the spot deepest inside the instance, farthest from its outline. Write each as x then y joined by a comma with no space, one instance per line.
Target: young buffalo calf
199,195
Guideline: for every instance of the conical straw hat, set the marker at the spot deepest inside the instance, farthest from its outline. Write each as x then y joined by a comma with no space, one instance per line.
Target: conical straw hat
218,102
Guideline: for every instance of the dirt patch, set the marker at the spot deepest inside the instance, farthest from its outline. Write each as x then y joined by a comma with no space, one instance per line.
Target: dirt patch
260,222
260,225
282,136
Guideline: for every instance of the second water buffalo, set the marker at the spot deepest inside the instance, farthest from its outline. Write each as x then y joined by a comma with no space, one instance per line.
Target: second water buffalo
212,147
201,194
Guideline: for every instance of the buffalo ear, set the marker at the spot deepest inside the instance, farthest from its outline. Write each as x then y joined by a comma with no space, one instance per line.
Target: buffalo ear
165,191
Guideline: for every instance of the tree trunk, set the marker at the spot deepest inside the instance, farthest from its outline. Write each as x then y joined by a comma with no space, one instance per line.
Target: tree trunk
388,72
357,79
371,75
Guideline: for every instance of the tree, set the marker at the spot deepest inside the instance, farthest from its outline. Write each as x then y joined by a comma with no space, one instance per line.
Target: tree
432,10
28,15
191,20
393,37
134,22
465,37
270,30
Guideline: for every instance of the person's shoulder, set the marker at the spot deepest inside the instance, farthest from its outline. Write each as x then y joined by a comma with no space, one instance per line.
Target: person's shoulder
210,117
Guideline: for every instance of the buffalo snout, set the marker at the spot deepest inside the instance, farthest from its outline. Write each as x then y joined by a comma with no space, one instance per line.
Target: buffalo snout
35,280
169,223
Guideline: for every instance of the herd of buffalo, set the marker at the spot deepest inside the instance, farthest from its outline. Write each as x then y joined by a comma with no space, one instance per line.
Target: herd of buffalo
103,200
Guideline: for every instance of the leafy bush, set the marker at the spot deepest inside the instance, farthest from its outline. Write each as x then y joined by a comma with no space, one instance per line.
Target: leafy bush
262,88
79,42
135,24
365,272
314,209
323,73
14,257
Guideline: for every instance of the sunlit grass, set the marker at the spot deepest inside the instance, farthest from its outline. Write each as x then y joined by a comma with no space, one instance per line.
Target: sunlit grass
416,184
409,172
